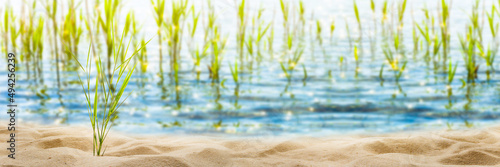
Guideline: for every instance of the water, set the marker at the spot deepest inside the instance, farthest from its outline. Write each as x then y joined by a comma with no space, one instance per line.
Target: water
333,99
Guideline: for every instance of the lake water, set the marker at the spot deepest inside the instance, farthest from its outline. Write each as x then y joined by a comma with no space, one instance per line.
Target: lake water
333,99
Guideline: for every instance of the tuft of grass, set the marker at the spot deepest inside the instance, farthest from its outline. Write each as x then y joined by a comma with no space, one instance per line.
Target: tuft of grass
103,102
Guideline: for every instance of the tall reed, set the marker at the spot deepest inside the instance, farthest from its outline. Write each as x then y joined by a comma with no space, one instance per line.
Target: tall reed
444,21
242,13
105,21
159,9
470,42
8,19
71,31
492,51
175,29
262,29
51,9
360,29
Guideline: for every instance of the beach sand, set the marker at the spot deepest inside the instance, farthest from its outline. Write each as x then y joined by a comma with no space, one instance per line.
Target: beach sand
39,145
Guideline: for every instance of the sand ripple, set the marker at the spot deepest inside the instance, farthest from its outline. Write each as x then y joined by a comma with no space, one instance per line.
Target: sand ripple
71,146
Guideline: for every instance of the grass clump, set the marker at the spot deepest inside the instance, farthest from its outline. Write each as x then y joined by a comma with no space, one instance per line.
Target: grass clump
103,101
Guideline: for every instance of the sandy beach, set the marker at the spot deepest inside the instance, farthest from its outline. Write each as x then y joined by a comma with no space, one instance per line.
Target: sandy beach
39,145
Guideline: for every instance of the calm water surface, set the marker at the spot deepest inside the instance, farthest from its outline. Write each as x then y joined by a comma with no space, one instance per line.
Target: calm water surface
333,99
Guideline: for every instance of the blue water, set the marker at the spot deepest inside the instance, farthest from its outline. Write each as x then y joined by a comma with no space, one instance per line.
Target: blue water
333,99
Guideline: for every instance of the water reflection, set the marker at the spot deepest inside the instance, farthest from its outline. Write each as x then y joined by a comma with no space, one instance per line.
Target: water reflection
330,93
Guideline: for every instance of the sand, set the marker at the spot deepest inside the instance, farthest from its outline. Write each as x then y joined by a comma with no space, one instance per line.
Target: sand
39,145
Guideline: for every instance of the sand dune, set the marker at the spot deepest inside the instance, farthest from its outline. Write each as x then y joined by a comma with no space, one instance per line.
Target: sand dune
71,146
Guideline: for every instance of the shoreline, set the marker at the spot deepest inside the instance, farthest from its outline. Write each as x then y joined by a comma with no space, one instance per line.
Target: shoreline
42,145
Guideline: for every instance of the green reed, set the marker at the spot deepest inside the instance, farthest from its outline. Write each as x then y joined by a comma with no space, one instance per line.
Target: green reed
470,42
71,31
451,72
381,74
394,62
425,32
29,42
51,10
199,56
175,30
250,44
489,57
103,107
242,14
384,19
7,17
348,33
360,29
292,62
15,32
356,58
468,124
415,36
332,30
159,9
234,72
304,70
444,21
111,9
37,47
270,39
218,44
398,39
193,47
142,56
373,37
302,20
262,29
319,36
285,10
